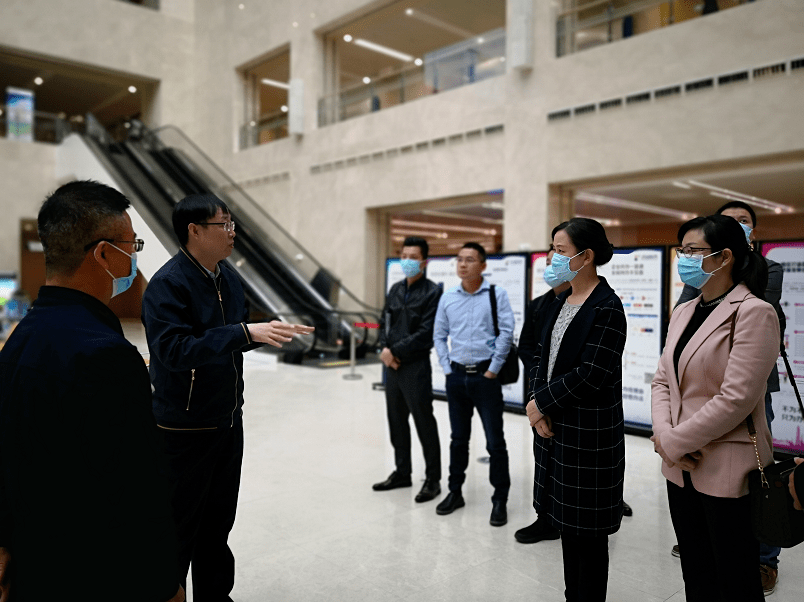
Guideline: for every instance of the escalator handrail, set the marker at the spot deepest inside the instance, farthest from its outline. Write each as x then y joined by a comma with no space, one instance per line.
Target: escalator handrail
255,205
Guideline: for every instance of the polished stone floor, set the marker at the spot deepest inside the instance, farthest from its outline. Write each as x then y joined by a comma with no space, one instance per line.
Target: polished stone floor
310,528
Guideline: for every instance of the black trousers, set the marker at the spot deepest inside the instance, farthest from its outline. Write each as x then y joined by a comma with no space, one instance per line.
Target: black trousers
464,393
204,473
586,567
409,392
718,550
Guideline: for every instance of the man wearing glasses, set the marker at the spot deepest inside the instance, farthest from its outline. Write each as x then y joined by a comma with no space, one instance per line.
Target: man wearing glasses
745,215
84,512
194,312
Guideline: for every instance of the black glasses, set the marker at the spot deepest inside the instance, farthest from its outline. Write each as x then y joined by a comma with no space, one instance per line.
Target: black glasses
228,226
690,251
138,243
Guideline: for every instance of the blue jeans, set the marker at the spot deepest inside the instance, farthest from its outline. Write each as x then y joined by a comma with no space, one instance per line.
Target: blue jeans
769,555
464,393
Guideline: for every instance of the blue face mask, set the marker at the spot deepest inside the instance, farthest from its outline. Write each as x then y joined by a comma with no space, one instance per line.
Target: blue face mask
411,267
690,270
561,271
121,285
747,231
550,277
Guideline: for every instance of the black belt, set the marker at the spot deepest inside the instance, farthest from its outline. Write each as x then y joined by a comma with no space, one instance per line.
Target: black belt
478,368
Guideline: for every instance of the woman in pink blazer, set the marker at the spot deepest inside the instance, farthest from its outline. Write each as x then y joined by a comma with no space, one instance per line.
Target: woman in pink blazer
721,347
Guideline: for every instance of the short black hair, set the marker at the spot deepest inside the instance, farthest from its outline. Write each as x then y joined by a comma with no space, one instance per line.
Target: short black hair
417,241
739,205
477,247
195,209
586,233
75,215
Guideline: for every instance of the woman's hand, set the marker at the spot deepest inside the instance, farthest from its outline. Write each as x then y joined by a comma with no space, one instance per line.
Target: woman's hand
689,462
544,427
534,415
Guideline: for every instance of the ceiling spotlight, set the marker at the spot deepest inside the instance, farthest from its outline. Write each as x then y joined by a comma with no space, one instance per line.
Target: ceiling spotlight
132,89
38,81
367,80
408,11
241,6
127,125
347,38
284,108
252,123
295,24
777,210
418,62
481,40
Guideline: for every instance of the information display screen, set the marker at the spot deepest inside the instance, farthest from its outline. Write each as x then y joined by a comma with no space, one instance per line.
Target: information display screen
637,276
788,423
8,284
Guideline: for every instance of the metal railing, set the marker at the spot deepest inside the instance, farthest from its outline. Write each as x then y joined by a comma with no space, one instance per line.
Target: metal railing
46,127
584,24
267,129
466,62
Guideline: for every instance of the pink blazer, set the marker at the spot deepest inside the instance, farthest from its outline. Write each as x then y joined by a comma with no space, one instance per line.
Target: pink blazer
705,408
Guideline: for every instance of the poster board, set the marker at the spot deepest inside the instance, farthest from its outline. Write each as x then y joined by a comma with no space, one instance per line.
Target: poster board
788,424
637,276
507,271
538,287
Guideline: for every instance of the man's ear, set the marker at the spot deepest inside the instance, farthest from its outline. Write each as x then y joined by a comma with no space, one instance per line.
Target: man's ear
99,252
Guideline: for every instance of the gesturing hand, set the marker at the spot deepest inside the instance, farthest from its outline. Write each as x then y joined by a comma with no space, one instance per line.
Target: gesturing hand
276,333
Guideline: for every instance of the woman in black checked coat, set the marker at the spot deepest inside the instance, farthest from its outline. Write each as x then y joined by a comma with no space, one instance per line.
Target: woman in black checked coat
576,408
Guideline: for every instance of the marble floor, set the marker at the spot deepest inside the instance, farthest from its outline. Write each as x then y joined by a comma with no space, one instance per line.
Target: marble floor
309,527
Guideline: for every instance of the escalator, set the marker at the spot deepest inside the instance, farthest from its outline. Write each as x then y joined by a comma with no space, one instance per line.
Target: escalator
156,169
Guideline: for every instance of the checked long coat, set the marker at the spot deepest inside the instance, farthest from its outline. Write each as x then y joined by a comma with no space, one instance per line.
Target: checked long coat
579,472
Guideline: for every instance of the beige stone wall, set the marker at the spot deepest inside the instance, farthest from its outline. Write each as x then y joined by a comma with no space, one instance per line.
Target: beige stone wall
26,171
194,48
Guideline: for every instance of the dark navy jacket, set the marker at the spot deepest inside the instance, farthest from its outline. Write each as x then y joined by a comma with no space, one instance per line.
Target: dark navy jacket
83,507
196,331
406,326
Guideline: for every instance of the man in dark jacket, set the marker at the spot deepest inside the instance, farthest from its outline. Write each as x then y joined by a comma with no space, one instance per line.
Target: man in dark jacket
745,215
406,337
84,512
195,315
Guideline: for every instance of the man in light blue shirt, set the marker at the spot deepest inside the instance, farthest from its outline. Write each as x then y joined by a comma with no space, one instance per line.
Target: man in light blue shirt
471,365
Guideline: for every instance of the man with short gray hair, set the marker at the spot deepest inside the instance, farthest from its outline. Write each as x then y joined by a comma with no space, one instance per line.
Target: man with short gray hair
84,512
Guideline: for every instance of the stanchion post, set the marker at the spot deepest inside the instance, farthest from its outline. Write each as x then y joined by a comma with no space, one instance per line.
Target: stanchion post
352,356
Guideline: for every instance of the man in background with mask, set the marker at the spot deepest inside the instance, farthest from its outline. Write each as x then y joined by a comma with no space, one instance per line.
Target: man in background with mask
745,215
84,512
406,337
194,312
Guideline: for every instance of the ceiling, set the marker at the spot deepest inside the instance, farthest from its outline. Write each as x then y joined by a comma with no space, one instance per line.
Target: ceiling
434,24
71,89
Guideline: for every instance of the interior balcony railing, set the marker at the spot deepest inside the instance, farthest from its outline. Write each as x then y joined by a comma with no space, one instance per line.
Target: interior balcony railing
584,24
43,127
267,129
466,62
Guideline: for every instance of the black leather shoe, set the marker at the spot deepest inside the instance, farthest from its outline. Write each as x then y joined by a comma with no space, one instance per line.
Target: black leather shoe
451,503
394,481
627,511
541,530
499,515
430,490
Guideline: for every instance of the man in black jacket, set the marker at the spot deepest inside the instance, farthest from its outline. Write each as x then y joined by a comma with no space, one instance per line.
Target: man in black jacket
406,337
195,315
84,512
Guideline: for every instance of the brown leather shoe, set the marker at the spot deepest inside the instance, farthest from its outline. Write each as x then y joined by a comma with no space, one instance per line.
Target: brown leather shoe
769,578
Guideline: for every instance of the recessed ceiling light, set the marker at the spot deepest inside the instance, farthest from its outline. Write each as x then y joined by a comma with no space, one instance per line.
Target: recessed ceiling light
295,24
367,80
418,62
284,108
408,11
241,6
481,40
38,81
347,38
252,123
132,89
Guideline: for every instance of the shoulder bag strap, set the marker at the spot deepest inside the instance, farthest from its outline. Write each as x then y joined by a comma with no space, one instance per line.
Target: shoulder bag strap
493,299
